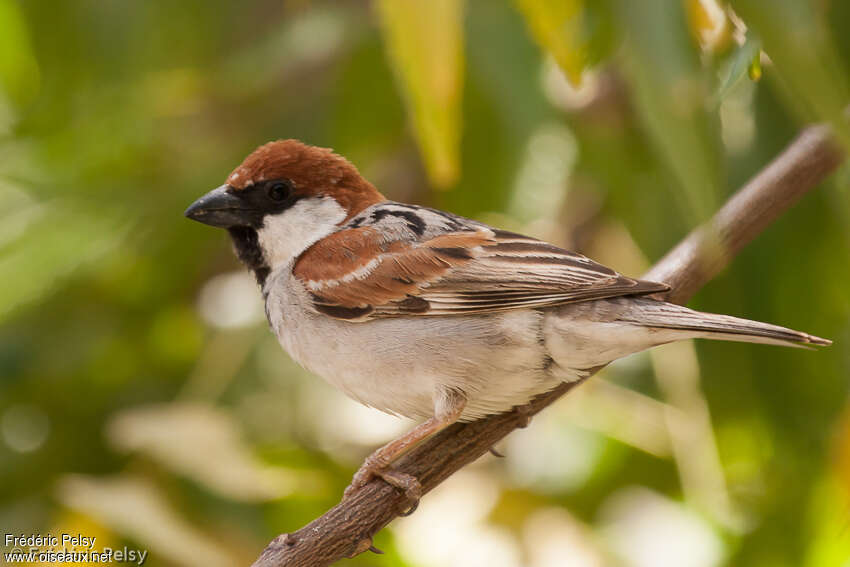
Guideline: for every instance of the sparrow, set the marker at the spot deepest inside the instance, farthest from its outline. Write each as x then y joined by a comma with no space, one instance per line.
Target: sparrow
422,313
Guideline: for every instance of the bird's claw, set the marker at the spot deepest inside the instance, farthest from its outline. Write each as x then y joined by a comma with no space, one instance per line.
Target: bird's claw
525,414
409,484
406,482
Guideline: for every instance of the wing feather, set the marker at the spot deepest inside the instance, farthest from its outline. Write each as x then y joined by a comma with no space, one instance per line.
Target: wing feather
360,273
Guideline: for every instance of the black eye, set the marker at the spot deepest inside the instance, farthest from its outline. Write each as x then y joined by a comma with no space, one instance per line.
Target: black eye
277,191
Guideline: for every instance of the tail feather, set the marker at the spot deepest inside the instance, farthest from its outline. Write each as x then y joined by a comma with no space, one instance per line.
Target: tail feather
659,314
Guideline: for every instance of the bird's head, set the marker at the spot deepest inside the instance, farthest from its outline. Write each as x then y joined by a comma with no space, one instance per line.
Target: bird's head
284,197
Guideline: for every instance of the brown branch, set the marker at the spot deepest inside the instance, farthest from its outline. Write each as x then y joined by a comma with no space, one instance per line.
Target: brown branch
707,250
347,528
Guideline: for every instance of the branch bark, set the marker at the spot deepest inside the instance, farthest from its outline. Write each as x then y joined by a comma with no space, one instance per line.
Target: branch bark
347,529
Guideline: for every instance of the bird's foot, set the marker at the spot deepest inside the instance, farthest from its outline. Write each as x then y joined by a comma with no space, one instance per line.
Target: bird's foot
375,467
409,484
525,414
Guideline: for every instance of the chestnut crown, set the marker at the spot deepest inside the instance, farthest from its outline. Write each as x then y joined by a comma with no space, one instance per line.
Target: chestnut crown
277,175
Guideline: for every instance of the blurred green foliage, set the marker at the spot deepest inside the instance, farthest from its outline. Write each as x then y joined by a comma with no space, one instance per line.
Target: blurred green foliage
142,399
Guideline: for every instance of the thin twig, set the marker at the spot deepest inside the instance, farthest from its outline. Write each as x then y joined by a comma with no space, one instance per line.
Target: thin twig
347,529
806,162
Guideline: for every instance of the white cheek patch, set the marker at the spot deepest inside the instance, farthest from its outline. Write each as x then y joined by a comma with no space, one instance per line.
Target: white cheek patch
287,234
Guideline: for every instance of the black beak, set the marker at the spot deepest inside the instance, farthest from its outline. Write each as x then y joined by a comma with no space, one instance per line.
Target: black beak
222,209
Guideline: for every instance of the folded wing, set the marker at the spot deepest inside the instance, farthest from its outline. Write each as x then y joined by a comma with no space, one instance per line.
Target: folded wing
360,274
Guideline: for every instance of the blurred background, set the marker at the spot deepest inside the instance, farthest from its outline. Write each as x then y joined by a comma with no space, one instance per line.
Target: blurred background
144,401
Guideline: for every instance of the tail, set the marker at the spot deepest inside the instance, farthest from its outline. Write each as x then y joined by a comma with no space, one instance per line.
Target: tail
662,315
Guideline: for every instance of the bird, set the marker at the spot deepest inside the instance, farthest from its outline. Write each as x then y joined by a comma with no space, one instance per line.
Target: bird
422,313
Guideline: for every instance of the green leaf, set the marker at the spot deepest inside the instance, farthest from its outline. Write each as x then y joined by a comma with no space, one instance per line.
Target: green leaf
743,62
801,48
424,41
19,74
671,90
557,26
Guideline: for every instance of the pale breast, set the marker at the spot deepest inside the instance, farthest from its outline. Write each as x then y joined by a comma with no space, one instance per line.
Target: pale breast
397,364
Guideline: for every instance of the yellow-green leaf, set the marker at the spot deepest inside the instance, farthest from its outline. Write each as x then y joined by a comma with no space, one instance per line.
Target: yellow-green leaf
424,40
19,74
754,69
709,24
557,26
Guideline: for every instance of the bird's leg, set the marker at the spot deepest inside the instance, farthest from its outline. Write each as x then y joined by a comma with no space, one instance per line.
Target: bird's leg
447,411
